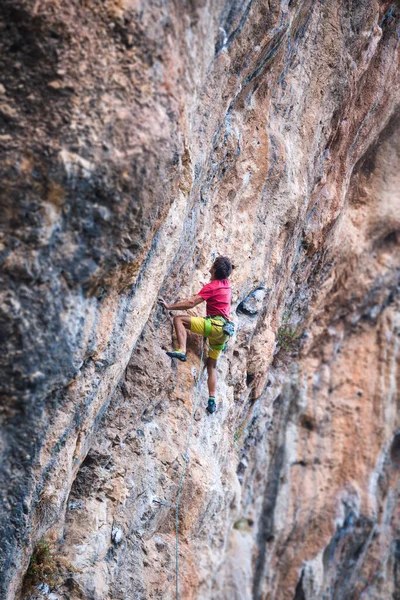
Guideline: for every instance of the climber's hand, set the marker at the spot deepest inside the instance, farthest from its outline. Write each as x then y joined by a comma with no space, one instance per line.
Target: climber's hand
163,303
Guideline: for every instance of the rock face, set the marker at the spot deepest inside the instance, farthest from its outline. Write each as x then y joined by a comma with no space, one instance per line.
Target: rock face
141,139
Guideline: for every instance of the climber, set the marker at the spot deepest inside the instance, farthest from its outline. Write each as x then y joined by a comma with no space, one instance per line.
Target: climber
217,295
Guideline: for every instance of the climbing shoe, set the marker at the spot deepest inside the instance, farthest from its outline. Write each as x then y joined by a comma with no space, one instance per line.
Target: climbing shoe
211,406
179,355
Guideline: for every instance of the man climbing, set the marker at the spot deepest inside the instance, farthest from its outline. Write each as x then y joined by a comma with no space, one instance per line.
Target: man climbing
217,295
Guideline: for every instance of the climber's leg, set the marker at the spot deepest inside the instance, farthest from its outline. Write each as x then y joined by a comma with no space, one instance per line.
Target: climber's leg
216,340
212,384
212,376
197,325
181,323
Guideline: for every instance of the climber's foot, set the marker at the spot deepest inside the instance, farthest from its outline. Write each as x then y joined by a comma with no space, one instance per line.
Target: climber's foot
179,355
211,406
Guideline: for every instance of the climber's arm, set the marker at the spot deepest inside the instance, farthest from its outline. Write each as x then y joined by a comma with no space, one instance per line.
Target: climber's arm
183,304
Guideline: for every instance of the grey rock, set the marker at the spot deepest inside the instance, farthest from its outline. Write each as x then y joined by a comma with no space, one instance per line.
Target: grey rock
117,534
253,303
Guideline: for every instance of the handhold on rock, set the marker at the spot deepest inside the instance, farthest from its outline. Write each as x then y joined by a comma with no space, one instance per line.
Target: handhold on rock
252,304
116,534
75,505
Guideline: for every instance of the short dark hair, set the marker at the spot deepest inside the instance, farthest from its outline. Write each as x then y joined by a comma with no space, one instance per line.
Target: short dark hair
223,267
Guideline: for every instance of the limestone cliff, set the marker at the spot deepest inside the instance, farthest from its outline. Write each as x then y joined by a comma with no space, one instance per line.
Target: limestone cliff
139,140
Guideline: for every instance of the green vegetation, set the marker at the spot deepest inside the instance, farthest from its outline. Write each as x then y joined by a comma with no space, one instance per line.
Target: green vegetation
243,524
288,336
238,433
43,567
46,567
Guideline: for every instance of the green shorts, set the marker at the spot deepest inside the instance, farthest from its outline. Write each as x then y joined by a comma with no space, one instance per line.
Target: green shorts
217,336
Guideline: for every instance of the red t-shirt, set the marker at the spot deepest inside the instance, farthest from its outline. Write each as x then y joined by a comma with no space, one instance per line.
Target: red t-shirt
217,293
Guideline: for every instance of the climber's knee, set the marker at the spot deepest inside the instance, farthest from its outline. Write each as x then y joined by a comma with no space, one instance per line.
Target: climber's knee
181,319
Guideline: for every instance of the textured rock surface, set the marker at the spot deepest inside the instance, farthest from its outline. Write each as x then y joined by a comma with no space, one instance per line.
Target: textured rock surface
140,139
